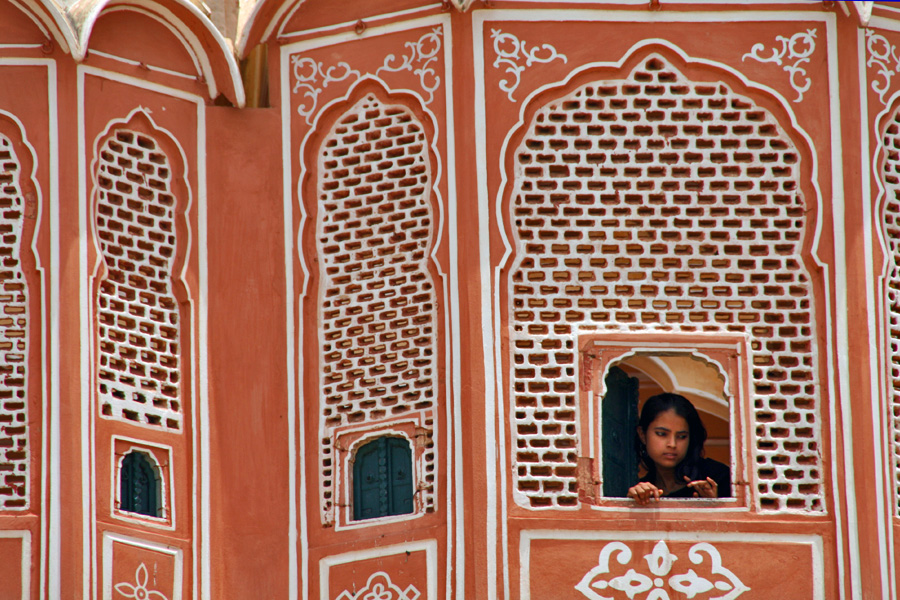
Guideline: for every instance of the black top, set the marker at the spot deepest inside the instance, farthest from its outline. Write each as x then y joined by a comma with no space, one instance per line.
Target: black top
707,467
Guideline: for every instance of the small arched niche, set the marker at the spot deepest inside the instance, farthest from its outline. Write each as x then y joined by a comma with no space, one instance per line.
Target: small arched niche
140,485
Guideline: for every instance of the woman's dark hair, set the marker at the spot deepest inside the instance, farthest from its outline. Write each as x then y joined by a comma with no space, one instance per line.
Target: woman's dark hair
697,433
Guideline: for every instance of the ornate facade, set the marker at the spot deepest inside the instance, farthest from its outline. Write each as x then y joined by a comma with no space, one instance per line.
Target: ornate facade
305,299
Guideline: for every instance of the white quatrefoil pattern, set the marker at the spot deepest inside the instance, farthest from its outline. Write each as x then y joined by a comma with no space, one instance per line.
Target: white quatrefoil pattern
659,577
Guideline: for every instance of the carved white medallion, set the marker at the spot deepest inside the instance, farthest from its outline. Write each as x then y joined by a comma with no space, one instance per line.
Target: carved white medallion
511,51
139,591
311,77
795,52
380,587
654,581
883,57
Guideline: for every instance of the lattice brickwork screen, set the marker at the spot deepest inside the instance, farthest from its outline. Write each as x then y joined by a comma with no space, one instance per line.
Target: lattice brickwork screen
891,215
657,203
14,472
137,313
377,303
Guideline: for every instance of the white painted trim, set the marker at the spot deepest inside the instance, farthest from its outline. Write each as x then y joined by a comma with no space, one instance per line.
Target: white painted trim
198,359
428,546
452,384
192,52
296,437
110,538
93,11
49,548
480,18
814,542
25,536
495,449
135,63
368,20
882,493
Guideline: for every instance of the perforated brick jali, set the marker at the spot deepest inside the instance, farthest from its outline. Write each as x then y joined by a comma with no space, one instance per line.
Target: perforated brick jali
377,303
655,203
14,472
137,313
891,225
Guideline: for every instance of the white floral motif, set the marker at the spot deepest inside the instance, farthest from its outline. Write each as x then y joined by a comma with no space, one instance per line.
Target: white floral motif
882,54
139,591
307,73
660,562
421,53
798,48
510,50
380,587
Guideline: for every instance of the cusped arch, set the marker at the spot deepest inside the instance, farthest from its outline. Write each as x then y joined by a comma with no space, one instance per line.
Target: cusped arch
887,167
371,223
661,194
19,296
139,286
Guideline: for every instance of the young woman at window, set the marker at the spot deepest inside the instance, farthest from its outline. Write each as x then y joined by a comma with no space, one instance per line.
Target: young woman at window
670,438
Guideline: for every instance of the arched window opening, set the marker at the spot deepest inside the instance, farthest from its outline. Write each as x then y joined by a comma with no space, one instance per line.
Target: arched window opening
628,386
382,479
139,481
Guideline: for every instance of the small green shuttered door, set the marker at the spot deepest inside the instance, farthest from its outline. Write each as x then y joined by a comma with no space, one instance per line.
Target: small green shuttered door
619,418
139,490
382,479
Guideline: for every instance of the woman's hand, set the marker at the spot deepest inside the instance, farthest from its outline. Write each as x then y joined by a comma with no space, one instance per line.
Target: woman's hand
703,488
644,492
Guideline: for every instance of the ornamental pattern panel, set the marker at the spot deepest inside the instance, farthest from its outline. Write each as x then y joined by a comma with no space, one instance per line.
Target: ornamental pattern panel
137,313
891,226
658,203
14,455
378,306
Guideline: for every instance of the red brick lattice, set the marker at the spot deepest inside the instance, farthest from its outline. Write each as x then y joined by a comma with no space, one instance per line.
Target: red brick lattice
377,308
655,203
137,313
14,472
891,225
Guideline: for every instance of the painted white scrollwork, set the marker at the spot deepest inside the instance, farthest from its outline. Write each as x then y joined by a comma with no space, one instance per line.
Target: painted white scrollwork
883,56
419,58
139,591
511,50
312,77
660,561
380,587
797,48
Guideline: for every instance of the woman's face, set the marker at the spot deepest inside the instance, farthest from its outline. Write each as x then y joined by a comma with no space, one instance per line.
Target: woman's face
667,438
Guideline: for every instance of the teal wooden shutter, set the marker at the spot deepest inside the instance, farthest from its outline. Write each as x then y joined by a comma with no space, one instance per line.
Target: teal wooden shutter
139,486
382,479
619,417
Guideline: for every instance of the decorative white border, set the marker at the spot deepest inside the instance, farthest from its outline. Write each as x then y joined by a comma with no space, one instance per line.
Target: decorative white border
814,543
25,536
298,518
873,237
197,362
50,546
837,361
110,538
430,548
166,479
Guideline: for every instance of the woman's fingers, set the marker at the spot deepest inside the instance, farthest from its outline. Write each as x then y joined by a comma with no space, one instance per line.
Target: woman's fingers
643,492
704,488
